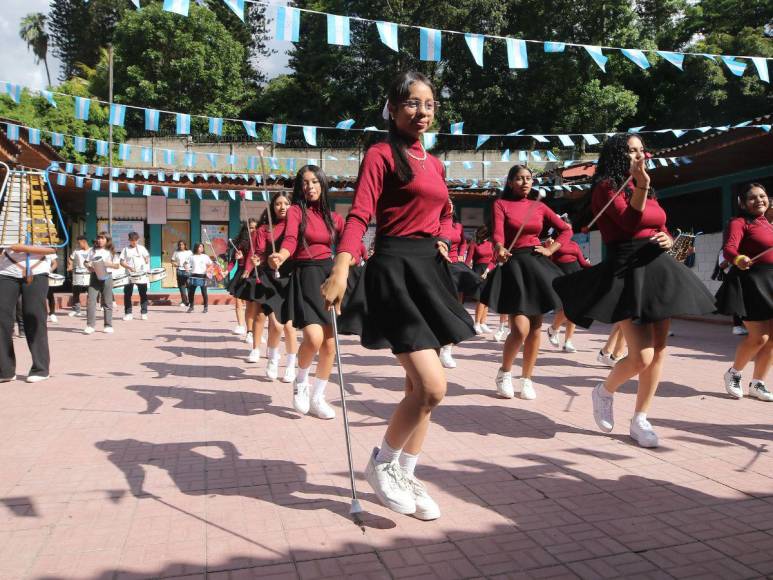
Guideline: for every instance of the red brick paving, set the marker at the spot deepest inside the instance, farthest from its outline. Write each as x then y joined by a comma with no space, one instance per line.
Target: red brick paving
159,452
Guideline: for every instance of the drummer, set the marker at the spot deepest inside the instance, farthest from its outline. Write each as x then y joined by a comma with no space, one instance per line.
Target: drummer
80,275
136,259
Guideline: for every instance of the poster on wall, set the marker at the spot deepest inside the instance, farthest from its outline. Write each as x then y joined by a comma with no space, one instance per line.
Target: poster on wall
171,233
121,230
217,234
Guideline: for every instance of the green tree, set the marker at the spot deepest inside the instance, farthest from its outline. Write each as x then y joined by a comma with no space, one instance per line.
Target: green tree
33,31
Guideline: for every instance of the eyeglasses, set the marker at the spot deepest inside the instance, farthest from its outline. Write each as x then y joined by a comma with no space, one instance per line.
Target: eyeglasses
413,105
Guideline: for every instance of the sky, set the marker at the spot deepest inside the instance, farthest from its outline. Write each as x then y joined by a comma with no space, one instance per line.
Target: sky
17,64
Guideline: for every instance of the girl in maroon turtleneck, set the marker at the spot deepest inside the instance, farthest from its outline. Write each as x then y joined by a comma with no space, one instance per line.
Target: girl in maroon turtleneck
480,257
747,290
309,235
410,299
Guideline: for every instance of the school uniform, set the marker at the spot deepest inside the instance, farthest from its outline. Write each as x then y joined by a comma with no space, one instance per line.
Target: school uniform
100,285
197,265
138,258
181,274
569,258
78,257
467,282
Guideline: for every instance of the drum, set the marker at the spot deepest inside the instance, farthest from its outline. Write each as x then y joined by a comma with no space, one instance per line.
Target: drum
55,280
99,268
139,278
80,277
120,280
157,274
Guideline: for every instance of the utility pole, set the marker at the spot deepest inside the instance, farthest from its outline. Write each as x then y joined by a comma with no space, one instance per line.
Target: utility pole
110,145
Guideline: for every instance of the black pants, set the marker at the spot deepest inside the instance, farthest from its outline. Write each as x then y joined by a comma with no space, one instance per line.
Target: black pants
34,315
182,285
51,301
128,290
737,320
192,292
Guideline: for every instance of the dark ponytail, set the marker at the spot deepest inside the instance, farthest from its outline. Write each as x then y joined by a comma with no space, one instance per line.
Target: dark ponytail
741,199
299,198
507,190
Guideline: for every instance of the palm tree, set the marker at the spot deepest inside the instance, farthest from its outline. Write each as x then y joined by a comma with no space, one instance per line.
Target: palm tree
33,32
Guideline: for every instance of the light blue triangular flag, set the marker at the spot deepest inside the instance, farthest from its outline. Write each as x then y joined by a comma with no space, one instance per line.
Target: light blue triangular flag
310,134
597,56
57,139
249,127
467,164
387,32
115,172
216,126
736,67
287,23
505,155
146,155
161,176
429,140
49,96
637,57
96,184
523,156
675,58
430,44
517,57
198,192
536,155
636,129
12,90
678,132
346,125
130,173
212,160
481,140
132,187
152,118
279,134
113,187
761,64
117,115
176,176
554,46
475,44
539,138
180,193
99,171
69,167
237,6
61,179
82,106
551,157
183,123
168,156
80,144
190,159
34,136
590,138
566,140
457,128
101,148
147,190
177,6
165,190
273,163
79,182
84,169
232,194
338,30
124,151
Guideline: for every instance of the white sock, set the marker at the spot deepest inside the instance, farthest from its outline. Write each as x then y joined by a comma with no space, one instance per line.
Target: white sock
408,462
502,327
291,358
272,353
639,417
386,454
605,393
733,371
318,390
303,375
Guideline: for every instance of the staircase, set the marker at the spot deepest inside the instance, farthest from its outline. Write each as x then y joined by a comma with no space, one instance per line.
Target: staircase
26,210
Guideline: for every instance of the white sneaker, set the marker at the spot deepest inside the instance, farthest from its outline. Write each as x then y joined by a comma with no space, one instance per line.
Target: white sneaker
390,485
128,316
88,330
143,317
240,330
554,336
254,355
501,334
183,305
606,359
8,380
478,329
740,331
301,401
641,432
426,508
272,369
504,382
289,375
319,408
527,391
37,378
248,338
52,318
264,338
602,409
73,313
758,390
108,330
733,384
485,328
446,359
569,347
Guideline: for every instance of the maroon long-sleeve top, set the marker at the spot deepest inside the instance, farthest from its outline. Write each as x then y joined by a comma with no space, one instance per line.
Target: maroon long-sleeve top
570,252
318,243
417,209
748,238
481,253
458,242
621,222
361,255
261,243
509,214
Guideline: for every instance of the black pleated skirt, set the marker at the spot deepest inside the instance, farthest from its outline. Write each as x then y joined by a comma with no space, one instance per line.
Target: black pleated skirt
303,304
522,285
466,281
480,270
273,292
569,267
747,293
235,281
406,299
637,280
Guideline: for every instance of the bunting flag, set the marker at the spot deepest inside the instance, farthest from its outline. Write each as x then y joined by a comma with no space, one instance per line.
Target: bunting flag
212,160
113,187
536,155
79,182
540,138
523,156
79,143
237,6
12,90
161,176
481,140
675,58
505,155
761,64
249,127
429,140
387,32
61,179
198,192
279,134
180,193
215,126
168,156
338,30
151,119
475,44
566,141
345,125
69,167
430,43
49,96
177,6
33,136
147,190
131,186
117,115
12,131
517,56
146,155
190,159
287,23
215,193
183,123
551,157
102,148
96,184
678,132
590,139
165,190
232,194
84,169
554,46
597,56
637,57
736,67
457,128
82,107
124,151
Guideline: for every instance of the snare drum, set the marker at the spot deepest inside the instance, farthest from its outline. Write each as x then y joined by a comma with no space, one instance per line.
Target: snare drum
120,280
157,274
80,277
139,278
55,280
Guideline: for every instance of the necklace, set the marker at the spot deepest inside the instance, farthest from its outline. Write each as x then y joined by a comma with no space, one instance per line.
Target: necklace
421,160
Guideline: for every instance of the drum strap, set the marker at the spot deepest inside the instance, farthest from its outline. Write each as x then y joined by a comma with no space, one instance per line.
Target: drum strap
23,267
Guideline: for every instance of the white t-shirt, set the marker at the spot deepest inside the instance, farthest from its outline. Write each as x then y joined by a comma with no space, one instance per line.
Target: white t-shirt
119,269
181,256
101,253
39,264
198,263
137,258
78,257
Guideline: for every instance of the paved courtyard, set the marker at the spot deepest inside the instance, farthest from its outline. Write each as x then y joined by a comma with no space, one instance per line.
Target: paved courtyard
159,452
